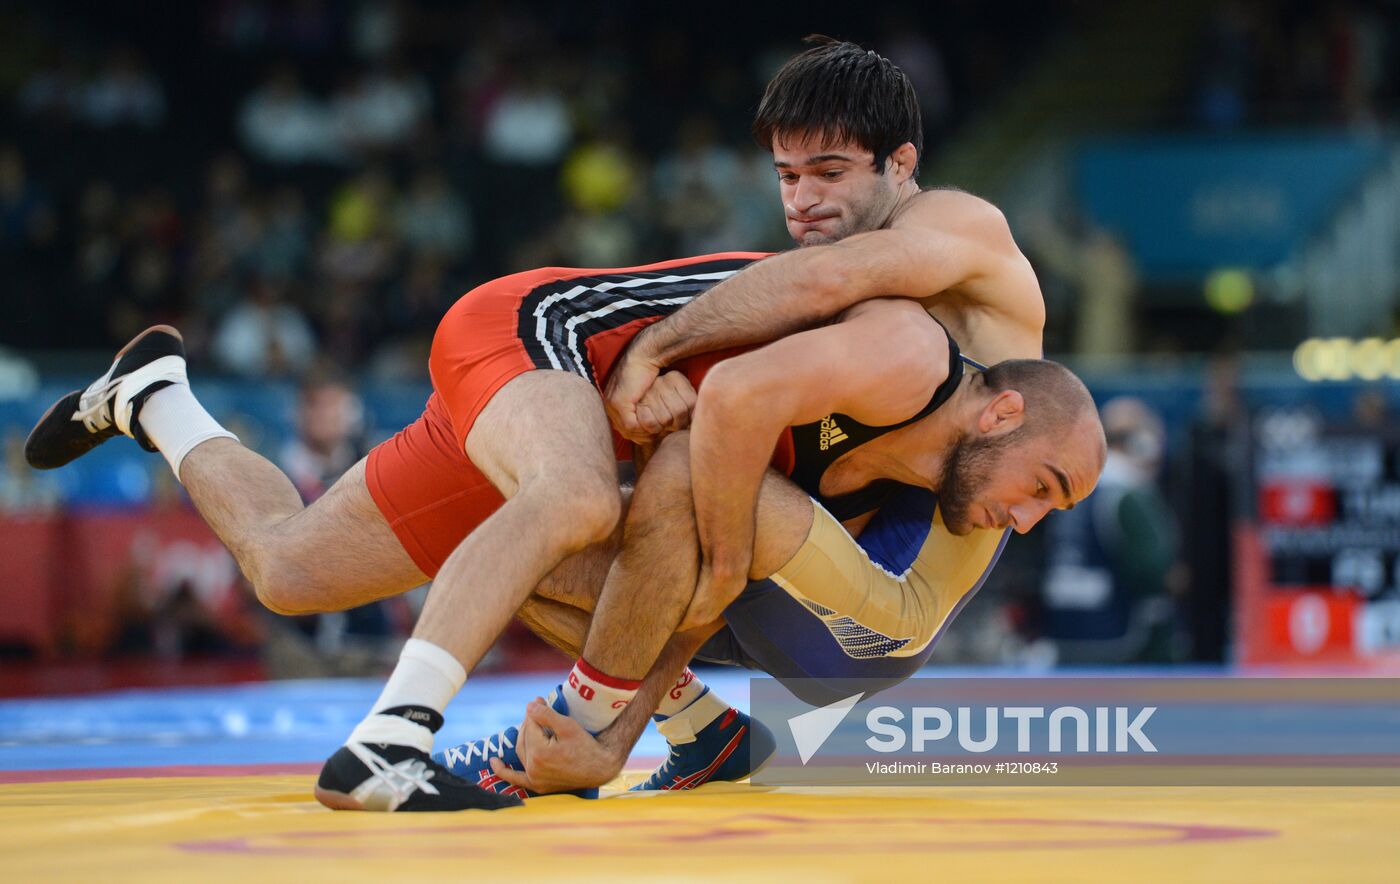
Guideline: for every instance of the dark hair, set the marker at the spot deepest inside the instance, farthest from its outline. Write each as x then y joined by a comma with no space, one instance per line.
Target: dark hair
844,93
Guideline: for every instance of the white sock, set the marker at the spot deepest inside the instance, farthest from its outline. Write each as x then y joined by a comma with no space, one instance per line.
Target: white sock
175,423
426,676
685,691
596,699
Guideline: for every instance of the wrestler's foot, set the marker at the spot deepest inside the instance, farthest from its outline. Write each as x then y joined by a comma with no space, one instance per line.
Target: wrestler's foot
399,775
472,760
710,740
84,419
383,777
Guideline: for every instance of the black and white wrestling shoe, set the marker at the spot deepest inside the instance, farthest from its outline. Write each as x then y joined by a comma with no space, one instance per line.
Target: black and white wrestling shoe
84,419
387,777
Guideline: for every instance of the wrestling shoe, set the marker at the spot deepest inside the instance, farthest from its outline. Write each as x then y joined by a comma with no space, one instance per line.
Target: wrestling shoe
386,777
710,740
472,760
84,419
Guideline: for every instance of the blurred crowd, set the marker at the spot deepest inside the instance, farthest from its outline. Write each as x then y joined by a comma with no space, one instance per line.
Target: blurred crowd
314,183
1287,63
303,188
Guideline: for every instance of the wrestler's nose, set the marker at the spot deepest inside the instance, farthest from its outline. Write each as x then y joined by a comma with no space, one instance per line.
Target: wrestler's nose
806,195
1025,516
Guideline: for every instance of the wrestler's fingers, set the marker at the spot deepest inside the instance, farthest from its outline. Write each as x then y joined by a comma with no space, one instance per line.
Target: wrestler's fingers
540,714
651,419
680,406
511,775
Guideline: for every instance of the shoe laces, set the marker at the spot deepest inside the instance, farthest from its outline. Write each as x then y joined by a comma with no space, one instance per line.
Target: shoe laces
672,757
487,749
95,406
402,779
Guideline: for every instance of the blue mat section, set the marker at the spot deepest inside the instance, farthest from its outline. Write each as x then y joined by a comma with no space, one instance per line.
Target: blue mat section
275,722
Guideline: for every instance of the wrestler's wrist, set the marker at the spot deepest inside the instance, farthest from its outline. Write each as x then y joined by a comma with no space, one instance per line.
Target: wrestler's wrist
617,747
649,347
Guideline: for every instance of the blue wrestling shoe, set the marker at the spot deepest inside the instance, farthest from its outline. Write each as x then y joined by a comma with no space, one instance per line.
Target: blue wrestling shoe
472,760
710,740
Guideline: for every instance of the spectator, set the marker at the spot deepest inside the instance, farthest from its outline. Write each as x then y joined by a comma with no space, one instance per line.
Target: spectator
358,245
601,175
124,93
54,93
709,197
433,219
227,230
1112,563
284,125
330,440
528,124
26,218
1217,456
381,110
329,435
264,335
282,246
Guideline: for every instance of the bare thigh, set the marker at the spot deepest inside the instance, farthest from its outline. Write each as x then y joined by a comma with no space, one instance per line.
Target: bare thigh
340,547
544,424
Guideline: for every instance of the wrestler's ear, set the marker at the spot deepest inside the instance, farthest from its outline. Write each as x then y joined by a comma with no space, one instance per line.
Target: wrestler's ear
903,161
1004,413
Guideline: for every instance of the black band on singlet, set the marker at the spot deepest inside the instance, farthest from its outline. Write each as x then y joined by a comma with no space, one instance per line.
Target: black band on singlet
816,446
557,318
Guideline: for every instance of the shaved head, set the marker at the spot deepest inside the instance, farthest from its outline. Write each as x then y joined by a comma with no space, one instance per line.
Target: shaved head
1057,402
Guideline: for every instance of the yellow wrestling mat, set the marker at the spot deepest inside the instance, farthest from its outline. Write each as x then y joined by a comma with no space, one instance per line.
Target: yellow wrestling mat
267,828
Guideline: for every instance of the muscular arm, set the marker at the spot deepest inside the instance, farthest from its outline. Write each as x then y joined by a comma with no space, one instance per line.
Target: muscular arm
944,247
892,357
945,244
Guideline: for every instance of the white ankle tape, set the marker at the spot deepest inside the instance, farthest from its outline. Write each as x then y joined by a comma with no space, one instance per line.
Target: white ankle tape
394,730
684,725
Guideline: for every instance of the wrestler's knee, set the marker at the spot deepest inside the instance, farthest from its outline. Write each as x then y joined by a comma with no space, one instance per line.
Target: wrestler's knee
581,508
288,597
284,584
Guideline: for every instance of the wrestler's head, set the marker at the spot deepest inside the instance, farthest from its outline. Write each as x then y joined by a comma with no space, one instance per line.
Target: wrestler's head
844,128
1035,444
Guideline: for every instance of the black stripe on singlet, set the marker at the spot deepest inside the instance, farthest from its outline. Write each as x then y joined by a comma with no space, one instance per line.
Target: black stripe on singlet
810,460
557,318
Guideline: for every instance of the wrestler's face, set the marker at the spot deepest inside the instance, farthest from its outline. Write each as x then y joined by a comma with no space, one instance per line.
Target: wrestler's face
832,190
1013,480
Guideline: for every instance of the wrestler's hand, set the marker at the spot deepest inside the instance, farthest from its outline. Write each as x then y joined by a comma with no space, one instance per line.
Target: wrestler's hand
713,594
667,406
558,754
631,378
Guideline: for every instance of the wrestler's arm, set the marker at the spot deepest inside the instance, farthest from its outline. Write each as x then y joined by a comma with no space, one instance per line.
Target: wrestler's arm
879,365
945,245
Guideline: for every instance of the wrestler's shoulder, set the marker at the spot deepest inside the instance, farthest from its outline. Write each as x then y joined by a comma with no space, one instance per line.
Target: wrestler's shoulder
949,207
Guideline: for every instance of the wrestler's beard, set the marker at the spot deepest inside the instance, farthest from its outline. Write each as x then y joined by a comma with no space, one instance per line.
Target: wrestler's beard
966,474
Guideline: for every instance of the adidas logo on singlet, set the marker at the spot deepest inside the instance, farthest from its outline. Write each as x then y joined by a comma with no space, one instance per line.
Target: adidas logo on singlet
830,433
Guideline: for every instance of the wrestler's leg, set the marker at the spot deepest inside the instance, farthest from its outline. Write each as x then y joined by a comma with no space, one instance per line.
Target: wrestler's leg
653,579
543,441
337,553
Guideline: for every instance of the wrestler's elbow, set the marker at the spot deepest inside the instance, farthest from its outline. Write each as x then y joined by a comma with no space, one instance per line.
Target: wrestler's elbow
728,390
